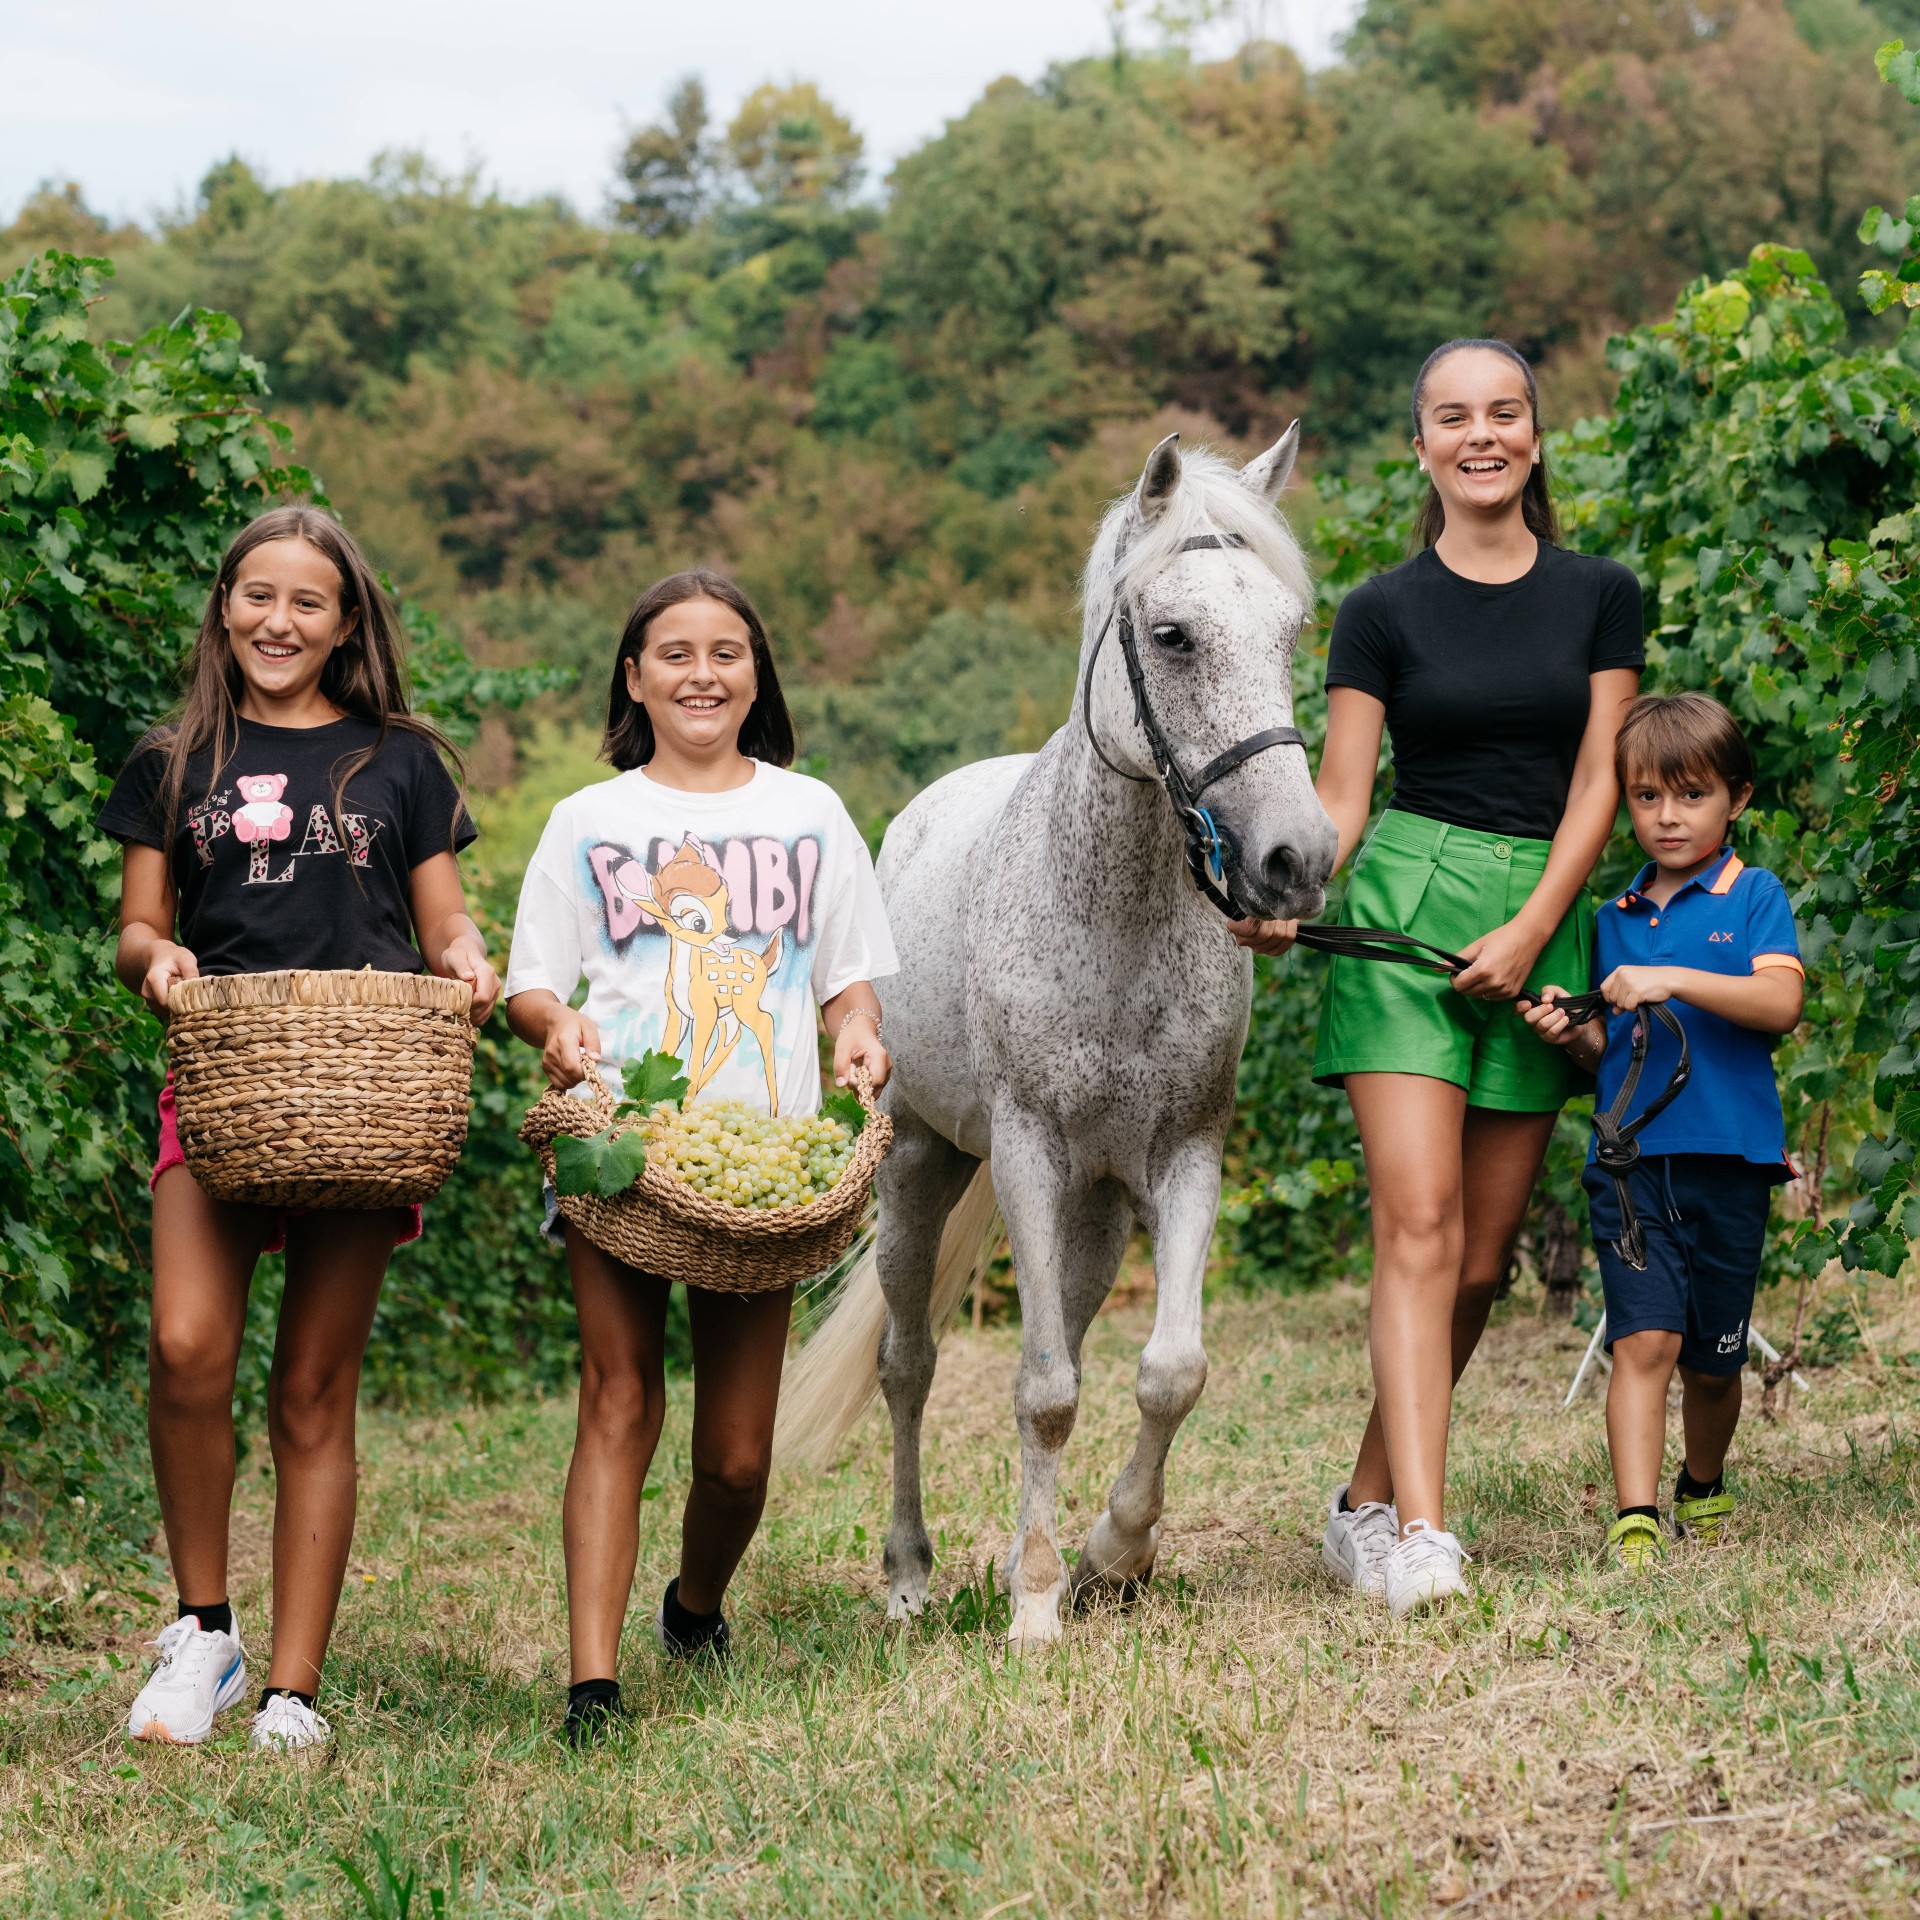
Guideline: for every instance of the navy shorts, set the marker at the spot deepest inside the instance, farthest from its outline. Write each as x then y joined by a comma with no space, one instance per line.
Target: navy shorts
1705,1220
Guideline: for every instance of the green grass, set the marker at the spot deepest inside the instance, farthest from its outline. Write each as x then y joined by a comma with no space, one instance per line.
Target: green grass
1737,1734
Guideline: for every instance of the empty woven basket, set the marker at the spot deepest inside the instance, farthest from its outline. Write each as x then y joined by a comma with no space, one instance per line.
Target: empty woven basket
321,1089
661,1225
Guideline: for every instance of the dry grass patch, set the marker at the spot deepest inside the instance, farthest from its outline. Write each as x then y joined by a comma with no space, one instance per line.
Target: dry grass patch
1737,1733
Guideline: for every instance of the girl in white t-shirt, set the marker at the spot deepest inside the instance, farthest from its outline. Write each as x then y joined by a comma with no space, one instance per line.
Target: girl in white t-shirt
705,855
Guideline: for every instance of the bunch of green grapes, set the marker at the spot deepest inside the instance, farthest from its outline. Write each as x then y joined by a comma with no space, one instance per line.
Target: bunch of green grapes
728,1152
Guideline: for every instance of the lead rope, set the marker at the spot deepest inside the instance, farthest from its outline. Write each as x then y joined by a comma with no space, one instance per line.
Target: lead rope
1616,1144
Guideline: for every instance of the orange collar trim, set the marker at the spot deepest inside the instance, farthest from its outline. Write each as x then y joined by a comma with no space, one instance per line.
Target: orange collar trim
1731,872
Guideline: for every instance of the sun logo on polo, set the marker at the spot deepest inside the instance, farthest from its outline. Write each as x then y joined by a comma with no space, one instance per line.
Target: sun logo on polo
1721,938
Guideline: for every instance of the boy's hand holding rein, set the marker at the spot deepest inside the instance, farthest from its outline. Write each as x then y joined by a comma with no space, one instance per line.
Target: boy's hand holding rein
1585,1043
1768,1001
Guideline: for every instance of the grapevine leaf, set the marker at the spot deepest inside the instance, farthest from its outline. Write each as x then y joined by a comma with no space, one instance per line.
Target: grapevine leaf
652,1078
624,1162
598,1162
844,1106
576,1163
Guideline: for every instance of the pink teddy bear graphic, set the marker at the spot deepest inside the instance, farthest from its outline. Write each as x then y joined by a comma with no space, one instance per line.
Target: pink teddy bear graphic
265,816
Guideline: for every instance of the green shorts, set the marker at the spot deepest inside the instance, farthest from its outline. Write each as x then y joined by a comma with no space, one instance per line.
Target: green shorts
1448,885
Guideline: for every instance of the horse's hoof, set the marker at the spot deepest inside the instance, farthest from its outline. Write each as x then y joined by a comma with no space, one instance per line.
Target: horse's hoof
1111,1564
1036,1623
906,1603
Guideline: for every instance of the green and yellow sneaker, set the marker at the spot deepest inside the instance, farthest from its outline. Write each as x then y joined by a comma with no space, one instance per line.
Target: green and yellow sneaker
1703,1521
1634,1543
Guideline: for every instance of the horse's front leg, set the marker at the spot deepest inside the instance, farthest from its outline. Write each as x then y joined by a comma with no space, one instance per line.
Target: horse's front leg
1034,1184
1180,1213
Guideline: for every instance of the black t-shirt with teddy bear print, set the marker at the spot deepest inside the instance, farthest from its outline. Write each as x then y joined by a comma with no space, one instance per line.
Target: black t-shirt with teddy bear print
266,875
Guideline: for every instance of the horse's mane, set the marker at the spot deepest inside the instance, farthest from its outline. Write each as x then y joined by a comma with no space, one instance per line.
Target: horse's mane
1211,498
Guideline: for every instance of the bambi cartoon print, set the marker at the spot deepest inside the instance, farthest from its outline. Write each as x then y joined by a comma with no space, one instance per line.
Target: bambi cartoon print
713,983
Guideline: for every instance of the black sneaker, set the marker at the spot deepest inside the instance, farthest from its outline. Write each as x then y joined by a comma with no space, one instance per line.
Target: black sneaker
691,1634
593,1717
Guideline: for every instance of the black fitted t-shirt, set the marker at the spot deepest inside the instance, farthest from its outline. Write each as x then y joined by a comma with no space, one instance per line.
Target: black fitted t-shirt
266,875
1486,686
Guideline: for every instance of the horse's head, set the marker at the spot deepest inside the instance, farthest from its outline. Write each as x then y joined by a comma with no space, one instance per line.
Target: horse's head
1214,629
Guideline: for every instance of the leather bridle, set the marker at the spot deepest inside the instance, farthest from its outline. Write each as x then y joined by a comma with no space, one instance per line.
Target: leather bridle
1213,856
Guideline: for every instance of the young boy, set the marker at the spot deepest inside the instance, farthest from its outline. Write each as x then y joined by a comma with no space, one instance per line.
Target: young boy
1716,938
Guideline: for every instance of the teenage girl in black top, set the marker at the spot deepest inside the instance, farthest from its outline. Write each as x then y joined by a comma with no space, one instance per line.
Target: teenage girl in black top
1502,667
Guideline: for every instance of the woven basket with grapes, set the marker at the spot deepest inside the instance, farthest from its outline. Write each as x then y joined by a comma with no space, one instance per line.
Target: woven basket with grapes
713,1194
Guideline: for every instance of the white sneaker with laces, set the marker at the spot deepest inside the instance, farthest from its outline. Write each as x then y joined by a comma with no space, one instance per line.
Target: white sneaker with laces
198,1675
1424,1567
285,1725
1357,1542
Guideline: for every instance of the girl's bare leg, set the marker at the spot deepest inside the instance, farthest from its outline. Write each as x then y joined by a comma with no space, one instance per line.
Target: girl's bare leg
739,1346
623,1315
1450,1186
335,1264
203,1258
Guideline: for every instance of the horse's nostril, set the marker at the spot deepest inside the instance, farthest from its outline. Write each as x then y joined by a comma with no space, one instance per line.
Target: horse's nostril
1283,869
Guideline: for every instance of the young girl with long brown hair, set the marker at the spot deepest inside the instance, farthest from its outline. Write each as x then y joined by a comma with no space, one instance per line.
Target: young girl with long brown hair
294,814
706,840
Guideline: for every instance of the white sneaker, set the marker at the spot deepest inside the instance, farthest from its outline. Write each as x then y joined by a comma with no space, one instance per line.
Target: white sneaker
198,1675
1423,1567
286,1725
1357,1543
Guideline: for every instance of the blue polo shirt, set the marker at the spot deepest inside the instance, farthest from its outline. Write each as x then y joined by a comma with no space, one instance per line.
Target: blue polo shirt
1729,918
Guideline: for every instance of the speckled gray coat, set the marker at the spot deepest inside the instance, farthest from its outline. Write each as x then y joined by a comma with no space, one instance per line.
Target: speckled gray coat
1070,1009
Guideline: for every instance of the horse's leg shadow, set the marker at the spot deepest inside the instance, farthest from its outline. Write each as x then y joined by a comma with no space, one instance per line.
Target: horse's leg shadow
919,1181
1120,1551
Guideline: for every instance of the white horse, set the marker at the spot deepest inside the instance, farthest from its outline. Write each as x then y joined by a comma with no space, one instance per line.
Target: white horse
1070,1011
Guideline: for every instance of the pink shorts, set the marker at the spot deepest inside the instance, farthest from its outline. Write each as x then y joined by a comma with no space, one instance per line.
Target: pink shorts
171,1156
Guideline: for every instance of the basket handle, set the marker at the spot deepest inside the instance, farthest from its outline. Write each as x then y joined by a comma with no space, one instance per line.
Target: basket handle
556,1113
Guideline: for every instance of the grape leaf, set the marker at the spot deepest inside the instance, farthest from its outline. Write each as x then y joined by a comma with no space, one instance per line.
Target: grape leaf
598,1162
844,1105
652,1078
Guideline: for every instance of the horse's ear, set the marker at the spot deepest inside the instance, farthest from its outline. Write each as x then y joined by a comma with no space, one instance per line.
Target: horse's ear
1158,479
1267,473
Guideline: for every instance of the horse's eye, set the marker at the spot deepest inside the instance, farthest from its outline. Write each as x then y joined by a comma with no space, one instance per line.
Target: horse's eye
1173,639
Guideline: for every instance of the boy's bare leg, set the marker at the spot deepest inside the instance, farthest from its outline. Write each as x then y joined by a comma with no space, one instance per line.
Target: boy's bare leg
1709,1412
1643,1365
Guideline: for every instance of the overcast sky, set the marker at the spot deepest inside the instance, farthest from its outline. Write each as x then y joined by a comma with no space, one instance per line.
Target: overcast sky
135,99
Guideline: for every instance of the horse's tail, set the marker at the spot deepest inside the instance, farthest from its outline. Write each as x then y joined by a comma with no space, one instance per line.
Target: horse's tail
833,1379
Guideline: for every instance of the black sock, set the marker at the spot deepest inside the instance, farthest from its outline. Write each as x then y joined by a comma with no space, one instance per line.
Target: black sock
689,1631
1346,1505
1688,1488
1652,1513
290,1693
212,1619
588,1696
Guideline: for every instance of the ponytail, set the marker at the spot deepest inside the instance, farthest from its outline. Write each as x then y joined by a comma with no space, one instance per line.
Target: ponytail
1536,498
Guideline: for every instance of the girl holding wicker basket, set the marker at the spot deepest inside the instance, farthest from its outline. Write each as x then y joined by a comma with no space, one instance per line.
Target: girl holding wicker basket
717,904
294,815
